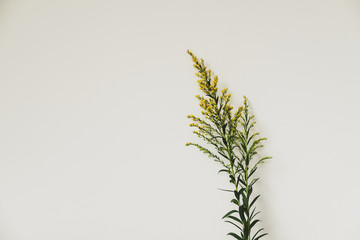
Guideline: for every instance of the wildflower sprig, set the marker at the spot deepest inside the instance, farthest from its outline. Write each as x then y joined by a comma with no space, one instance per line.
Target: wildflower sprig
235,146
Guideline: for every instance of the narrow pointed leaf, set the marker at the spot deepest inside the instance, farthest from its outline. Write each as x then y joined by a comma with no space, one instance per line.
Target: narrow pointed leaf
254,181
262,235
257,233
254,200
237,194
236,202
241,213
234,235
254,222
234,225
254,215
250,191
235,219
224,170
244,198
222,154
252,171
240,180
229,213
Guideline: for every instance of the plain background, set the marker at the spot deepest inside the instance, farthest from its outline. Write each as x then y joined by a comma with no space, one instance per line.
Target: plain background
94,97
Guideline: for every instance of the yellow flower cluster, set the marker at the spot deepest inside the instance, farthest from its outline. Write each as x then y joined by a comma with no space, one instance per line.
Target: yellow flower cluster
193,117
194,58
206,84
209,106
225,99
224,96
237,114
194,125
246,105
215,108
228,108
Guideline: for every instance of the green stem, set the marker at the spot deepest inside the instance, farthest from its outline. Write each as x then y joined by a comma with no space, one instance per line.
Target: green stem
247,160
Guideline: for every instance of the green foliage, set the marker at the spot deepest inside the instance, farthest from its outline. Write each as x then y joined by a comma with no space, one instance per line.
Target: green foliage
231,136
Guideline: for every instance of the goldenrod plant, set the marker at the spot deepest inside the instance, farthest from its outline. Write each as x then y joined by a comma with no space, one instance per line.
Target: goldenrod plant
234,145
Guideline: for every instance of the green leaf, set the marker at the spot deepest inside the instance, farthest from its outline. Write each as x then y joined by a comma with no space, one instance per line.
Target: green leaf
254,200
234,225
242,167
262,235
242,210
252,136
221,105
254,222
241,181
232,179
242,190
224,170
254,181
252,171
244,198
235,235
236,202
243,146
246,230
224,141
253,214
235,219
237,194
224,128
261,229
229,213
250,191
223,155
258,162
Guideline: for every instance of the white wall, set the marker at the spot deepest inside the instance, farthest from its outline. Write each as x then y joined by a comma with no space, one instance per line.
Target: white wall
94,97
